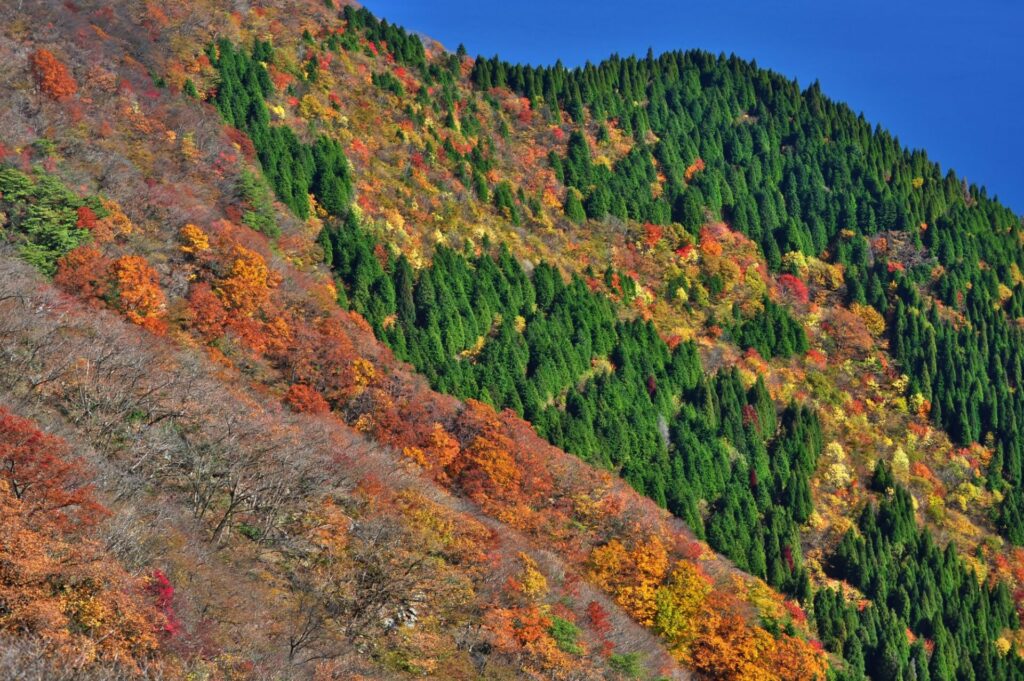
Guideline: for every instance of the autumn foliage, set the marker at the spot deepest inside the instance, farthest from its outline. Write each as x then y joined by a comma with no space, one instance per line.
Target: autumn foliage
41,475
794,287
163,593
128,284
137,293
632,575
57,584
246,288
306,400
83,272
194,240
52,75
267,313
86,218
486,469
694,168
206,312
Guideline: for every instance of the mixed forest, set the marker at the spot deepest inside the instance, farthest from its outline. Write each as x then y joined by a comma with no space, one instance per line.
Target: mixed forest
333,353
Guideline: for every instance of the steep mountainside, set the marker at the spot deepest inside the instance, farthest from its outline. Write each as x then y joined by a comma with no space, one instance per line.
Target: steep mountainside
328,353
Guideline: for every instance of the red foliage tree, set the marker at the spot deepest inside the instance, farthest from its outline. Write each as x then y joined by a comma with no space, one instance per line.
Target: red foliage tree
653,234
86,218
163,591
39,473
242,141
206,312
321,356
599,620
684,251
306,400
794,287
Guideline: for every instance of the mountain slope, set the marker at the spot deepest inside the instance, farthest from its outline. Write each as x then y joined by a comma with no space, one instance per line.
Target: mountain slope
692,283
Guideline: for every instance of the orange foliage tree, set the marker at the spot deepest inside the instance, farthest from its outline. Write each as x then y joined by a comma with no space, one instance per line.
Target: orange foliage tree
731,649
246,294
53,77
128,284
486,470
56,584
525,631
728,647
849,331
792,658
437,451
137,293
247,287
83,272
63,591
442,448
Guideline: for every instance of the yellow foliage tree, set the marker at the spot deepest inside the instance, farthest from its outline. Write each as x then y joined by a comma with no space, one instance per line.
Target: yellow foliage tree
535,584
679,604
872,319
193,239
632,577
247,286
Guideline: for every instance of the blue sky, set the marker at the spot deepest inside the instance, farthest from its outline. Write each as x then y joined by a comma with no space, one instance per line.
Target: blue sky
944,76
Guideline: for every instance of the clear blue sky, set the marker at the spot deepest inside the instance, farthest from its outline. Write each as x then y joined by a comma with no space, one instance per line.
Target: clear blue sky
944,76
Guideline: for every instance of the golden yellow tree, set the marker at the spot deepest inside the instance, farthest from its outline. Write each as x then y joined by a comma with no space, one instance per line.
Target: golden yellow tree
137,291
633,576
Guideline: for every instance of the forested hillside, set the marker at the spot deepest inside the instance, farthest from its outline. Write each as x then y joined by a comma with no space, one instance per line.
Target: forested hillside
330,353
